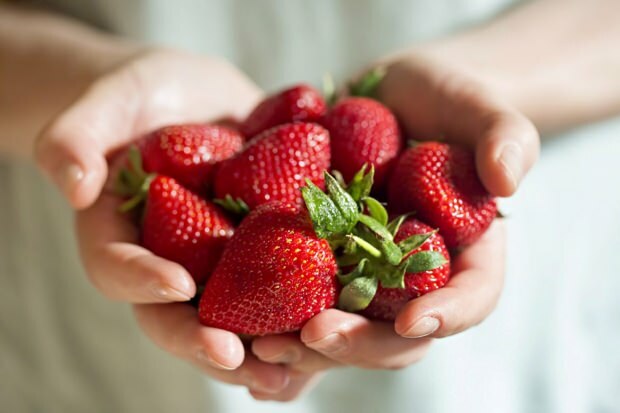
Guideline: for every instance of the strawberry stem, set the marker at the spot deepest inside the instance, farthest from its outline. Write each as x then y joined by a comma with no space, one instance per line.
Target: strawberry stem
329,89
366,246
369,83
139,197
234,205
133,181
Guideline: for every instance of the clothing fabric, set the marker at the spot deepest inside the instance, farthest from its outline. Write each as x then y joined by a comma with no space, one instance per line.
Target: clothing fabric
551,345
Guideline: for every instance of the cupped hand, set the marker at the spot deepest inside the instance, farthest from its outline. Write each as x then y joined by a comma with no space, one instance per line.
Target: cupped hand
434,100
153,89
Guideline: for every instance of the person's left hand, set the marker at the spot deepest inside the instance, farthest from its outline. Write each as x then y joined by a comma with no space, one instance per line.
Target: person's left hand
433,99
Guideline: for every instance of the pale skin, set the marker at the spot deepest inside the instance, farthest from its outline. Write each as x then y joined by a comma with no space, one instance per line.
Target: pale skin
74,96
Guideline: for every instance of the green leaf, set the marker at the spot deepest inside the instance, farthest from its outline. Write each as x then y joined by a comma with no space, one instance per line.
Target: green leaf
368,84
390,250
124,185
394,278
425,261
358,294
329,89
326,217
375,226
237,206
346,279
361,184
376,210
140,197
414,242
135,161
394,225
348,259
343,201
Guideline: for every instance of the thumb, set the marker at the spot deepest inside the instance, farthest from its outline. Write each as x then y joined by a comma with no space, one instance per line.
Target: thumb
507,149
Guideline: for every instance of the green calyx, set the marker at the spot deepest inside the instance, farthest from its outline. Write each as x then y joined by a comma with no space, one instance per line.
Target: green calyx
357,229
234,205
133,182
369,83
329,89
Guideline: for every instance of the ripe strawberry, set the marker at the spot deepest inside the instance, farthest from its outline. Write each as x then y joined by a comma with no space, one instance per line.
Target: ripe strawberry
189,153
274,275
298,103
387,302
176,223
274,165
439,182
180,226
363,131
386,264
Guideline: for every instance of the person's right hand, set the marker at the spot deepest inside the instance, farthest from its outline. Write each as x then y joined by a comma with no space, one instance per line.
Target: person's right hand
152,89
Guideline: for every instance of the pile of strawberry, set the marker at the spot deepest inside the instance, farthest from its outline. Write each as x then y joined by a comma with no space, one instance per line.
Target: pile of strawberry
272,238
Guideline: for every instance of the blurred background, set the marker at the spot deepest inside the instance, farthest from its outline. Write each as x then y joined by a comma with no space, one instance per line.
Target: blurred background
552,345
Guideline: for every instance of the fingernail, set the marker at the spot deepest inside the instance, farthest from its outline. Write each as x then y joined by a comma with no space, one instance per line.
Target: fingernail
288,356
69,177
510,159
331,343
167,293
202,356
422,328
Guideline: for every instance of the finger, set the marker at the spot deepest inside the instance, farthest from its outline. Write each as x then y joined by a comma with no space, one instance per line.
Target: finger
435,102
299,384
467,299
72,149
155,90
118,267
508,147
176,329
288,349
353,339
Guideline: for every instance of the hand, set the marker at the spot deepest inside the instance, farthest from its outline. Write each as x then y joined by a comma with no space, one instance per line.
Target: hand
434,100
150,90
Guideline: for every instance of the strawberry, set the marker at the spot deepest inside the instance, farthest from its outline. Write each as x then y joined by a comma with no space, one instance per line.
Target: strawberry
387,302
189,153
274,275
382,265
298,103
176,223
363,131
274,165
439,182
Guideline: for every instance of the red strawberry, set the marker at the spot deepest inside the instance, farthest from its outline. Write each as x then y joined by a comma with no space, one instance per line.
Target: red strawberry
189,153
386,263
298,103
275,164
176,223
180,226
362,131
439,182
389,301
274,275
